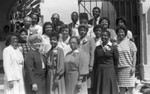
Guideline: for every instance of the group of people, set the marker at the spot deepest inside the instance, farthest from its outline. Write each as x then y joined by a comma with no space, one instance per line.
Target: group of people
83,57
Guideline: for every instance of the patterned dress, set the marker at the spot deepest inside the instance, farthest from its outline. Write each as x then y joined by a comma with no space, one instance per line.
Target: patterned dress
126,50
55,70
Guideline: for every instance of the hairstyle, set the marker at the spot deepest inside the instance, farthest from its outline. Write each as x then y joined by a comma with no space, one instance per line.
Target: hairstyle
83,16
45,24
123,28
38,17
54,34
27,17
23,30
122,19
20,31
77,39
104,18
97,8
34,37
97,26
8,39
64,26
83,26
108,33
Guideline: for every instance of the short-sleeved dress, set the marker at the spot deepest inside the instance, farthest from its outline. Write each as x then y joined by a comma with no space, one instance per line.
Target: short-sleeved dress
105,80
55,68
75,65
126,50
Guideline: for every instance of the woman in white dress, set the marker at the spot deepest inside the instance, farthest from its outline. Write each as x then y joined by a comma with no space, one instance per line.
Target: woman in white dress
13,67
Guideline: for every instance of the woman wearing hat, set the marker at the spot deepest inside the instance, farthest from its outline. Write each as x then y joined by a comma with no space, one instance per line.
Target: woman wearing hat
35,66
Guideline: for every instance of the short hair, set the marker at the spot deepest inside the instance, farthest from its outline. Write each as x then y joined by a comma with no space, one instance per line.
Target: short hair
8,39
97,26
123,28
108,33
83,26
83,16
38,17
65,26
122,19
27,17
34,37
97,8
78,41
45,24
104,18
23,30
54,34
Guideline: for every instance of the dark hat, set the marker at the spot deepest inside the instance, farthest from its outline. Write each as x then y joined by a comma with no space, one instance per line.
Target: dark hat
83,16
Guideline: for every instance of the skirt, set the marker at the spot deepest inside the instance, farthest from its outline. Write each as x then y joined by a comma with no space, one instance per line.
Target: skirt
125,78
105,81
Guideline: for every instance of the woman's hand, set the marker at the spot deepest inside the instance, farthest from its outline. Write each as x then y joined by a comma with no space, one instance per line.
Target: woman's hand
132,71
34,87
79,85
11,84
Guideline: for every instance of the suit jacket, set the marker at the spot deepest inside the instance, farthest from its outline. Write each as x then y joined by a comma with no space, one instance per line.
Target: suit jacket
92,21
89,47
33,66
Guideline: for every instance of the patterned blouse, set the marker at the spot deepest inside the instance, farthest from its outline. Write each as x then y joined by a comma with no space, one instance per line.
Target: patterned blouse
126,50
25,48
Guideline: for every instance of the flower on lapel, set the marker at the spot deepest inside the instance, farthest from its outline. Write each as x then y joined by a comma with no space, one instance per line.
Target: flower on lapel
107,47
75,52
55,54
84,40
55,51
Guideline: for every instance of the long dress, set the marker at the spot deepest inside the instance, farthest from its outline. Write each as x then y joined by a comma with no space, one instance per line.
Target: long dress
106,58
76,65
88,45
13,68
35,64
55,68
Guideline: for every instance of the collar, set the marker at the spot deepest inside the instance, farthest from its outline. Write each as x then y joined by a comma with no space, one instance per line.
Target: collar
67,40
108,44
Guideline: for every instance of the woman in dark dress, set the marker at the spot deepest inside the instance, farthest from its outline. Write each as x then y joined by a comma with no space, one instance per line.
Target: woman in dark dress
35,64
106,57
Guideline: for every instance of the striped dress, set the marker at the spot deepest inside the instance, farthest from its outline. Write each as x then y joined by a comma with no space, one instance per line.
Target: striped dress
126,50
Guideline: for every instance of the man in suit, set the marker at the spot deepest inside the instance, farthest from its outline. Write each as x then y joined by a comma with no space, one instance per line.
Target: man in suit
96,16
56,22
